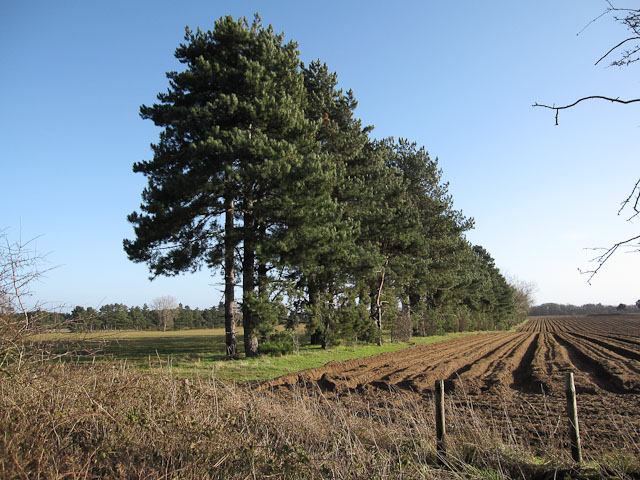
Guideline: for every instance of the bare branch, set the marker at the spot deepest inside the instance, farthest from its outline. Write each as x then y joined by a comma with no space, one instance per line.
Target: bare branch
630,18
21,325
629,199
166,309
595,19
602,259
614,48
591,97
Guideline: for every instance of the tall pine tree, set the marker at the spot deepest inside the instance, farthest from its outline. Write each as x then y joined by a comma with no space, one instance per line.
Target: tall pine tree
235,150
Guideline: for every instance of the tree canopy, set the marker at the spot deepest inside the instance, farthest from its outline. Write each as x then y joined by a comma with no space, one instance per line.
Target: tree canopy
263,169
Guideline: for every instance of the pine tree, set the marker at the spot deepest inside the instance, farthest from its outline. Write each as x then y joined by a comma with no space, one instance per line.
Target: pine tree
234,150
387,229
430,267
325,249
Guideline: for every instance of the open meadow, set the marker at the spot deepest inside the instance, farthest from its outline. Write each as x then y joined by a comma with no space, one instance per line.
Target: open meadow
202,352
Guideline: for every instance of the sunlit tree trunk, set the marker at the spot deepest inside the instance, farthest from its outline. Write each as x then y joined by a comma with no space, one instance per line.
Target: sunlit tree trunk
248,285
229,280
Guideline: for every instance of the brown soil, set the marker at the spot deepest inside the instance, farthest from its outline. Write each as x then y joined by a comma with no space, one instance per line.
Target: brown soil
512,382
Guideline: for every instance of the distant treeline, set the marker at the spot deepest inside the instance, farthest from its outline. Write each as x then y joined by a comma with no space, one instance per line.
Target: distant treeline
588,309
117,316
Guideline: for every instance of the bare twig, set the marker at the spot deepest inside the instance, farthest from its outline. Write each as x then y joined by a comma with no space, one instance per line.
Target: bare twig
629,199
595,19
631,20
614,48
602,259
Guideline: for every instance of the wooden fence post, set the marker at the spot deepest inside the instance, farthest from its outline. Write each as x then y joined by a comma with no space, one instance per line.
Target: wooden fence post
441,446
572,412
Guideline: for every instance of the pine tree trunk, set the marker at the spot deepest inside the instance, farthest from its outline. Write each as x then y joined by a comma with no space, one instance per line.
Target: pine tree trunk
262,266
229,281
401,330
417,321
248,285
406,307
312,290
378,317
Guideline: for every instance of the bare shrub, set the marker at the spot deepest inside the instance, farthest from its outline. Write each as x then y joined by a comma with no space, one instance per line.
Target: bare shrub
29,332
19,268
166,311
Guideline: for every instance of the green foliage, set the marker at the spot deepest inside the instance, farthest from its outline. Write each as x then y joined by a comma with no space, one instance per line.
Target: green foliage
262,163
547,309
267,312
323,323
120,317
280,343
235,140
355,322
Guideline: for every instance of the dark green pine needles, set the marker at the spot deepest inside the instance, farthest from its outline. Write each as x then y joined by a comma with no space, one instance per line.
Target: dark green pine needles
263,170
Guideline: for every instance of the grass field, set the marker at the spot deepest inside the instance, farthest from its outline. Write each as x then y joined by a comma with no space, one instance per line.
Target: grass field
202,352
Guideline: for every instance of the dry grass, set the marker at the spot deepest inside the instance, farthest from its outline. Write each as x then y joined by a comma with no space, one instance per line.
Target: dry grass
60,421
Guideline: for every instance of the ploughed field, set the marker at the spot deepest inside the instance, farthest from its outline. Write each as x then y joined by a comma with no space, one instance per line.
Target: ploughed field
511,383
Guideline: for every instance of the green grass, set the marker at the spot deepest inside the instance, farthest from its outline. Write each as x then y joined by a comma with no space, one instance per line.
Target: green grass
309,356
202,352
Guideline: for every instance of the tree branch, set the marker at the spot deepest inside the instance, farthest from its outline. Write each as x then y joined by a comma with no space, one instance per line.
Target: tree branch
591,97
630,199
602,259
618,45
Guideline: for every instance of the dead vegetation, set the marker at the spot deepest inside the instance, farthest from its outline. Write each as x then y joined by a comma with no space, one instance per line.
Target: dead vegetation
62,421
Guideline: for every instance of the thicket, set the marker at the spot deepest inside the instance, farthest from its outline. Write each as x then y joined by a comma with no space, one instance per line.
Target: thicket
20,325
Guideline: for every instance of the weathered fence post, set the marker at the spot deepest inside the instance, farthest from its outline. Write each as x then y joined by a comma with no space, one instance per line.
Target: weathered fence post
572,412
441,445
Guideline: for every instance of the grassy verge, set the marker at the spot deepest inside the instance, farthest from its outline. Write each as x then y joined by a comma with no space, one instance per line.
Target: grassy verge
202,352
308,356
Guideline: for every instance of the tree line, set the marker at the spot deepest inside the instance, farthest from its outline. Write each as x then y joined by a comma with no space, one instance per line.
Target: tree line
587,309
117,316
263,170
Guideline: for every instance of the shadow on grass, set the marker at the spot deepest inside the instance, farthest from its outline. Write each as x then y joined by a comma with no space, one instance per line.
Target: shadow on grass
192,347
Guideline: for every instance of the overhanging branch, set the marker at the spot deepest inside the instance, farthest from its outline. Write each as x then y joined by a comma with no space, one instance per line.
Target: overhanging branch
602,259
628,201
591,97
617,46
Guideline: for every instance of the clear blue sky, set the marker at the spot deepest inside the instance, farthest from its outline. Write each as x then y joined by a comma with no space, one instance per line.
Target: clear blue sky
457,77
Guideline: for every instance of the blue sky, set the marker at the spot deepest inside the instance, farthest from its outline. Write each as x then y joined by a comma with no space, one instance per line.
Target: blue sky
459,79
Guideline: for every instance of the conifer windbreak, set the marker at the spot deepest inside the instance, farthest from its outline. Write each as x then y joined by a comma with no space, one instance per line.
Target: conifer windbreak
235,156
263,169
325,250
